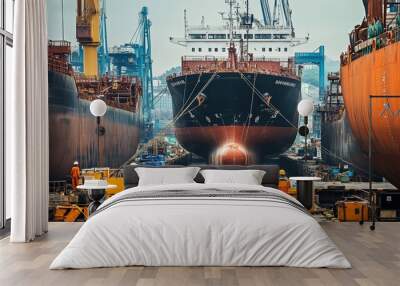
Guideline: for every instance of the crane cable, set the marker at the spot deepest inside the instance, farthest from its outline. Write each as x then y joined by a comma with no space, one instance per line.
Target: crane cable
182,112
322,148
248,119
269,104
185,110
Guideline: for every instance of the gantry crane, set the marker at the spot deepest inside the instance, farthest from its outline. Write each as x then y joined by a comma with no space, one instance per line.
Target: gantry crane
134,58
146,71
88,34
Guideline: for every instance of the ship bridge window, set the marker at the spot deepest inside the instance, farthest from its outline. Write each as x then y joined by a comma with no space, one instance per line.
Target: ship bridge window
248,36
200,50
286,49
197,36
237,36
209,49
281,36
193,50
263,49
263,36
223,50
217,36
216,49
270,49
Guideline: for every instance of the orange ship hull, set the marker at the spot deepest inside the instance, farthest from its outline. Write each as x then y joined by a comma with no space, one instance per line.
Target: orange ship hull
376,74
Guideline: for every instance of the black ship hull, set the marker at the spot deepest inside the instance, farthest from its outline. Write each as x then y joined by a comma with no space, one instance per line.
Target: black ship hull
341,146
231,117
72,131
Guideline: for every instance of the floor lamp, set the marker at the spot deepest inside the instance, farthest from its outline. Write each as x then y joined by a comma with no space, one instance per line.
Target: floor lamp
98,108
305,108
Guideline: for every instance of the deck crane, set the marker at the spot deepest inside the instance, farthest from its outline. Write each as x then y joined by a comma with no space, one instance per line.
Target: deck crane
280,7
104,56
88,34
266,11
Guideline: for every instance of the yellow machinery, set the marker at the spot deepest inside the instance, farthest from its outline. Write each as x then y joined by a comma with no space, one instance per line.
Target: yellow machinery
105,174
70,213
88,34
67,207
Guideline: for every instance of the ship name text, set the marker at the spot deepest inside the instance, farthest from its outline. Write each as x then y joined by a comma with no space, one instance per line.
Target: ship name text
179,82
285,83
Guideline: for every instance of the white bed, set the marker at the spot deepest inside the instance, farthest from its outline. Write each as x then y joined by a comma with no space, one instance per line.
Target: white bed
138,227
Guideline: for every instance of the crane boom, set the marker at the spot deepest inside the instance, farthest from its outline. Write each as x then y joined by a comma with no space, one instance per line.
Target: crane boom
88,34
266,11
287,13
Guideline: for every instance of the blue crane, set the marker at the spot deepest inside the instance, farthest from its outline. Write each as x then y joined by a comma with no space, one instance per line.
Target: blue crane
315,58
135,59
146,68
103,53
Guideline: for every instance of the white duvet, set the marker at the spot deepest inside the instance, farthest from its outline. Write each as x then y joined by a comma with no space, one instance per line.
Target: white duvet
200,232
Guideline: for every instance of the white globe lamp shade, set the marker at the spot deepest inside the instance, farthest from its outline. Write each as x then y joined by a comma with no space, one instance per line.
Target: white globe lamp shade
305,107
98,108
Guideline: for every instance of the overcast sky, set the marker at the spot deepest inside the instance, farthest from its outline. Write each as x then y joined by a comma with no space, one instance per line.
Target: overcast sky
327,21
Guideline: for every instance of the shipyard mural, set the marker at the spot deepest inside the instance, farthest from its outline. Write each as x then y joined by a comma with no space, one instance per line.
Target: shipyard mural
229,95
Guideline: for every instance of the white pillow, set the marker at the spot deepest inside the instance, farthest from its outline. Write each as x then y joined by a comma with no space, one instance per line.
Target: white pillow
166,176
247,177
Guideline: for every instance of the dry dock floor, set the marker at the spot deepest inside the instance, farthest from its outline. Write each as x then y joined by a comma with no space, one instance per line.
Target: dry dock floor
375,257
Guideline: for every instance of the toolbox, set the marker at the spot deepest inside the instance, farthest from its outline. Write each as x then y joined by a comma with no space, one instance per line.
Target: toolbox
352,209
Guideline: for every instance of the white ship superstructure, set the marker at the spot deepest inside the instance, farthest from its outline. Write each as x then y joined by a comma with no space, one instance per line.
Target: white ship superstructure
272,39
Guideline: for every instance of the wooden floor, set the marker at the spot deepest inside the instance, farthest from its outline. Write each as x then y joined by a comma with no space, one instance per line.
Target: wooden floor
375,257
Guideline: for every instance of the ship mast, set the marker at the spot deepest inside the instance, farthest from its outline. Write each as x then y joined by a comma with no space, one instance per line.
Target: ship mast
232,58
246,22
231,21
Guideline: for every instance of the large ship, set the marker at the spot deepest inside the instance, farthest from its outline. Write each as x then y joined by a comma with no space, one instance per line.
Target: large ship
72,128
236,97
371,86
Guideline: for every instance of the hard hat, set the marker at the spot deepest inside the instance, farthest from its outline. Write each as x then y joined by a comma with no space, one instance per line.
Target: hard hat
282,172
76,163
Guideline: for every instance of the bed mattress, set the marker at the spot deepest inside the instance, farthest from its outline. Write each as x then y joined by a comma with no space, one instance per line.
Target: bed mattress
201,225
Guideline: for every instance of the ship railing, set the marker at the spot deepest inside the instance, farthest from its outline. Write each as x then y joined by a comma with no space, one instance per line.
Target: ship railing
366,47
193,65
60,43
79,77
284,72
59,65
195,28
224,59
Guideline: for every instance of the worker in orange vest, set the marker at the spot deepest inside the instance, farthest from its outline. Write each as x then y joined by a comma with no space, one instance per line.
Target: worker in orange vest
284,183
75,175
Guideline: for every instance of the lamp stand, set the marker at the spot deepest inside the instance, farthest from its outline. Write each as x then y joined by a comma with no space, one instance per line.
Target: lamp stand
305,141
98,120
